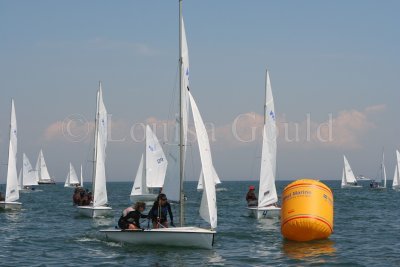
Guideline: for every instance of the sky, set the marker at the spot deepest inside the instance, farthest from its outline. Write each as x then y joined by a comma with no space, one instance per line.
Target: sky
333,66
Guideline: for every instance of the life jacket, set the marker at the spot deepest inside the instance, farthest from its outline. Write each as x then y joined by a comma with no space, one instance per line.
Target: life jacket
126,211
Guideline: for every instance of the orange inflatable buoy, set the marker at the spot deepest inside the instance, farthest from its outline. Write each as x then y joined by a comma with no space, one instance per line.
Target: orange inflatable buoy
307,211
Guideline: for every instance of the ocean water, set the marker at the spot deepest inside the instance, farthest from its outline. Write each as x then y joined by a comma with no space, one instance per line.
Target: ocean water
49,232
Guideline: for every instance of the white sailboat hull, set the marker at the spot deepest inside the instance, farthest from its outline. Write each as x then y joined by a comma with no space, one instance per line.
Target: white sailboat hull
176,237
46,182
348,186
5,205
72,185
147,198
264,212
93,212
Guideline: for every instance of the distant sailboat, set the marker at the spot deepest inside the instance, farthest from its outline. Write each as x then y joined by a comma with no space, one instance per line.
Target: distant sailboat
43,176
396,178
189,236
99,206
376,184
151,172
12,192
348,178
28,179
267,196
72,179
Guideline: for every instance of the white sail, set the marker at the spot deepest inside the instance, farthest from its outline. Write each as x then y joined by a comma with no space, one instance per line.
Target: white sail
41,168
172,184
20,179
81,177
383,170
343,179
208,207
28,174
72,177
99,184
156,162
267,191
12,193
139,185
349,175
396,178
216,179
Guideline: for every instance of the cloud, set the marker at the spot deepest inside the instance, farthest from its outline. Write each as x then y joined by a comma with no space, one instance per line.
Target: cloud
344,131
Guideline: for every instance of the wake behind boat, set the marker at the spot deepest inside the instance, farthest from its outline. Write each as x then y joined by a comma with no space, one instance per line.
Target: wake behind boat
182,236
267,196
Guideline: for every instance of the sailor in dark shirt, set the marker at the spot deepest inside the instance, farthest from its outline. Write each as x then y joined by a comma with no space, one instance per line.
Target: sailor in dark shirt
159,211
130,216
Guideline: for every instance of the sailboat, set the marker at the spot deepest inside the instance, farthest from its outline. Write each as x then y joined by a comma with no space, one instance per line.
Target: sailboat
43,176
348,178
99,206
151,172
28,175
267,196
12,193
72,177
376,184
182,236
396,178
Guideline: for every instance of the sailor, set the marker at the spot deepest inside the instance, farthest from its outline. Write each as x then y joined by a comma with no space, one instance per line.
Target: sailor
130,216
251,197
159,211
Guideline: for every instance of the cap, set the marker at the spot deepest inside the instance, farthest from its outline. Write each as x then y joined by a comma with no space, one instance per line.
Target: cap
251,187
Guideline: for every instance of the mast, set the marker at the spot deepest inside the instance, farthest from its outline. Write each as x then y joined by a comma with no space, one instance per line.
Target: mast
96,121
181,133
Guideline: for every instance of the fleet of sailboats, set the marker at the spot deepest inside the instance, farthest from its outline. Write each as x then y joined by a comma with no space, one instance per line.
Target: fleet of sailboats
12,192
99,206
267,196
151,171
158,172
